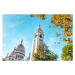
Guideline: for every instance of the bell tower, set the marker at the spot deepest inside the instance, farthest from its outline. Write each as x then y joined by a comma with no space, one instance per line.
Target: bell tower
38,39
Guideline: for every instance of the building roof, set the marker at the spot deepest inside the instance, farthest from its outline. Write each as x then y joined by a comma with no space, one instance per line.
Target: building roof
20,48
38,29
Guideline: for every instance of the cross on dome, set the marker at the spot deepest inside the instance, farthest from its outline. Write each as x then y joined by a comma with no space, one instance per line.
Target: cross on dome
21,41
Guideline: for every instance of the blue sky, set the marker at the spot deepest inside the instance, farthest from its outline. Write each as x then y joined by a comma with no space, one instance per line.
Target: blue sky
18,26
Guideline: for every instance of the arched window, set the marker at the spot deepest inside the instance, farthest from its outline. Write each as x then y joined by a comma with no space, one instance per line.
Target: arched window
40,36
16,56
20,56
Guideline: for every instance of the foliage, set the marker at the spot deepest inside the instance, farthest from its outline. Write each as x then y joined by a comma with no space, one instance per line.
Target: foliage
51,56
67,53
40,16
63,21
44,54
3,59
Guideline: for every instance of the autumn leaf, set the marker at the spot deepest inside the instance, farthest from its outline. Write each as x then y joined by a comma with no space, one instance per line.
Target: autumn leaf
64,21
58,42
50,26
57,34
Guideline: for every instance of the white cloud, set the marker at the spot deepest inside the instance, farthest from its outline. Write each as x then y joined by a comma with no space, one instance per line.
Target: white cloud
12,25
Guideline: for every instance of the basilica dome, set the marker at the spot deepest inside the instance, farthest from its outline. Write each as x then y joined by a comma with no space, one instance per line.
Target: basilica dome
20,48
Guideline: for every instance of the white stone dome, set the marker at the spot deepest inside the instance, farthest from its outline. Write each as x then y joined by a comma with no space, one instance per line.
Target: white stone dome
20,48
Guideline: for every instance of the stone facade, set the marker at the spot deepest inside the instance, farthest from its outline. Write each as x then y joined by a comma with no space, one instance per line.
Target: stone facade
38,39
17,54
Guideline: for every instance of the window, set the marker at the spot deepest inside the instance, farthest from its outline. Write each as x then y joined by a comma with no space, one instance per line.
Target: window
20,56
16,56
35,36
12,59
40,36
9,58
41,42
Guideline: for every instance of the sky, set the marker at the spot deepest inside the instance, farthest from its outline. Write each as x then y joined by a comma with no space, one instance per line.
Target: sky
16,27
